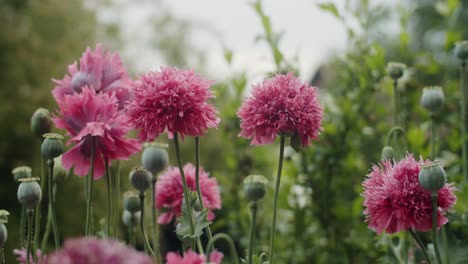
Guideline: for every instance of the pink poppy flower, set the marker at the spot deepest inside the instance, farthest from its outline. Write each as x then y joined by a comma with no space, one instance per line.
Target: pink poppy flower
191,257
282,105
104,72
395,201
170,193
86,115
173,100
21,256
97,251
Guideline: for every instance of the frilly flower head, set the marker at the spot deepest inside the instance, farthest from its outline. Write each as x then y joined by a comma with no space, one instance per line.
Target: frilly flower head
282,105
93,250
102,71
173,100
191,257
88,115
169,192
395,201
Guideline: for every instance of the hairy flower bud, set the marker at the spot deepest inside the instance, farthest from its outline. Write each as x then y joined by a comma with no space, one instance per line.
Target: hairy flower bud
155,158
52,147
396,69
29,193
132,202
432,98
131,218
255,187
461,50
41,122
141,179
432,177
388,153
21,172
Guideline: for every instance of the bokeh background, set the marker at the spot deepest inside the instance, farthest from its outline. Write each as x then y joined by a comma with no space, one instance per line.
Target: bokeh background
341,46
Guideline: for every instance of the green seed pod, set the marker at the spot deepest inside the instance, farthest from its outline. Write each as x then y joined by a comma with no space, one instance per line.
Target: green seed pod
132,202
41,122
21,172
388,153
52,147
155,158
432,177
141,179
3,235
29,193
432,98
60,173
255,187
131,218
461,50
396,69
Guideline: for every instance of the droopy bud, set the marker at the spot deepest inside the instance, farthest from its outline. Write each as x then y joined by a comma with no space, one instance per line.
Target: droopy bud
131,218
388,153
21,172
41,122
396,69
52,147
132,202
432,98
432,177
155,158
141,179
461,50
29,193
255,187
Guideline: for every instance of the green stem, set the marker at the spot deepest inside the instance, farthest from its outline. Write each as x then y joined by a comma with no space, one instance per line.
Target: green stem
463,120
2,256
37,224
50,163
184,182
90,189
434,227
30,213
197,179
263,257
228,239
109,197
116,200
275,201
154,221
433,136
22,227
142,224
253,209
395,102
131,228
49,223
420,244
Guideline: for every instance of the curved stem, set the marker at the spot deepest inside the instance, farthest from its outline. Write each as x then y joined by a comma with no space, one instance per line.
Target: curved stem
263,257
142,224
109,197
228,239
463,120
116,200
393,132
37,224
433,136
50,163
30,213
420,244
275,201
434,227
154,221
90,189
253,209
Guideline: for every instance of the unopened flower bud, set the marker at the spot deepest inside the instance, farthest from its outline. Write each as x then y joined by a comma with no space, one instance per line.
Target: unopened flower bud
396,69
3,230
388,153
432,98
141,179
29,193
21,172
461,50
255,187
432,177
52,147
4,216
41,122
155,158
60,173
132,202
131,218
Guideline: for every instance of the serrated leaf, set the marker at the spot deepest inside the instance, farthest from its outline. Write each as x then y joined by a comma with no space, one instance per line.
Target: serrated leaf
296,143
329,7
200,222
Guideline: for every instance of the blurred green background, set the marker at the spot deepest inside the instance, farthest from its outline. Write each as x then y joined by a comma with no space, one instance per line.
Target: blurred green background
320,216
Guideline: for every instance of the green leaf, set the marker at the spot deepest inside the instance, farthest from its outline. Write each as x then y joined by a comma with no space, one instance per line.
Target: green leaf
296,143
228,55
200,220
331,8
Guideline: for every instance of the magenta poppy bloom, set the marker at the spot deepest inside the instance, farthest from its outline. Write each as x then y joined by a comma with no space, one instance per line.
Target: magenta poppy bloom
86,115
282,105
172,100
395,201
191,257
21,256
102,71
92,250
170,192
